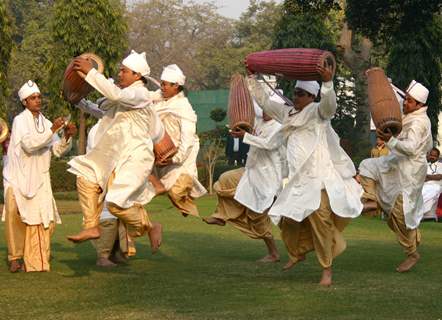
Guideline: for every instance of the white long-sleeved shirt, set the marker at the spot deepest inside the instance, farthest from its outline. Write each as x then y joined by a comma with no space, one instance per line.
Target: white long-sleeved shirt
179,120
123,143
262,178
403,171
27,169
316,160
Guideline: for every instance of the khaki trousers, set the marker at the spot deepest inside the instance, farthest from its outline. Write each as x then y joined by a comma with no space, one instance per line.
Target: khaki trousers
180,197
112,232
409,239
255,225
32,243
321,231
135,218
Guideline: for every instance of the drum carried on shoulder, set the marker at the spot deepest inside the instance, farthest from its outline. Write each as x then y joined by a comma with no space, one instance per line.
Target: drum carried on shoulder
240,110
384,106
75,87
292,63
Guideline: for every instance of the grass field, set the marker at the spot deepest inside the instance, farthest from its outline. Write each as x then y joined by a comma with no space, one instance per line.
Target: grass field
208,272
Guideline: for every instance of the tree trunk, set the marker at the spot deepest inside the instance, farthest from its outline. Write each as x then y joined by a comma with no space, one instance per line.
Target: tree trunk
82,133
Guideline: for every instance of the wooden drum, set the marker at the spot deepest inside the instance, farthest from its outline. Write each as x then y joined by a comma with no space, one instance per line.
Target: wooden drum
75,87
291,64
384,106
164,149
240,110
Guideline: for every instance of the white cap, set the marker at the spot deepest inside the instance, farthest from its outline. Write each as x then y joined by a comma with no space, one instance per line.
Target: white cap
417,91
28,89
137,62
311,87
173,74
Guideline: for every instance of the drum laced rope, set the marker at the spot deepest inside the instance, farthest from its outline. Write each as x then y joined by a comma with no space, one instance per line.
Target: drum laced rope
283,97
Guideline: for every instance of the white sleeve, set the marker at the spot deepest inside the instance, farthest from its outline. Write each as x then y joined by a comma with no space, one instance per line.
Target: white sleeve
91,108
127,96
327,105
188,130
60,146
271,141
275,110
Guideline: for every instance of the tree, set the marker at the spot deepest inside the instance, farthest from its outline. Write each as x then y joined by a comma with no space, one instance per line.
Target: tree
6,31
33,46
304,25
84,26
170,31
411,34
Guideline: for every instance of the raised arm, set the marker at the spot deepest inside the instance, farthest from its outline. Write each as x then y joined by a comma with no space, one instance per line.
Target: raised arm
60,146
409,146
275,110
327,106
129,97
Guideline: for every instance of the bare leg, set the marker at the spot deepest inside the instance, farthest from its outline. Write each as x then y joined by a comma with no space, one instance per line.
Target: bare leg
273,254
326,279
409,262
216,221
86,234
15,266
157,184
155,236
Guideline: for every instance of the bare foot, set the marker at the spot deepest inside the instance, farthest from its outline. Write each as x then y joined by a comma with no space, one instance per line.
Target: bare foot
212,220
326,279
369,206
155,236
291,263
409,262
269,258
15,266
105,263
118,257
86,234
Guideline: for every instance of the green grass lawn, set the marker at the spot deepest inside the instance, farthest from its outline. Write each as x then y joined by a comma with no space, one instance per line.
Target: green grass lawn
209,272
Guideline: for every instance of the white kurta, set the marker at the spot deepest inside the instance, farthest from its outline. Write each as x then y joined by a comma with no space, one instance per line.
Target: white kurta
315,158
123,143
403,171
431,190
179,120
262,178
27,168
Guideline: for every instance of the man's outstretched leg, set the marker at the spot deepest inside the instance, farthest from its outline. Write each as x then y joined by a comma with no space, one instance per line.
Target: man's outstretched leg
91,206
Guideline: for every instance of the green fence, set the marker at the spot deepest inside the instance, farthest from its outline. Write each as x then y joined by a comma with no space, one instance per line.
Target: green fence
205,101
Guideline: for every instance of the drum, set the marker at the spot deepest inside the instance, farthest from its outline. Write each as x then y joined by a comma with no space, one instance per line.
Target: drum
384,106
164,149
75,87
291,64
240,109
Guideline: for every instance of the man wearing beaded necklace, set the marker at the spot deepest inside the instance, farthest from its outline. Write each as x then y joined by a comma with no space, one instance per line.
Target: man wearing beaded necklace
433,184
30,211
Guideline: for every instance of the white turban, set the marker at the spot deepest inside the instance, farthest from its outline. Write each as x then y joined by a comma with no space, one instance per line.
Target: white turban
173,74
311,87
137,62
28,89
417,91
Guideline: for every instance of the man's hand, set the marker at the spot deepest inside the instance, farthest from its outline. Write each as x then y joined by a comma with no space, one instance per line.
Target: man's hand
249,72
70,130
57,124
384,135
326,72
82,65
238,133
164,162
